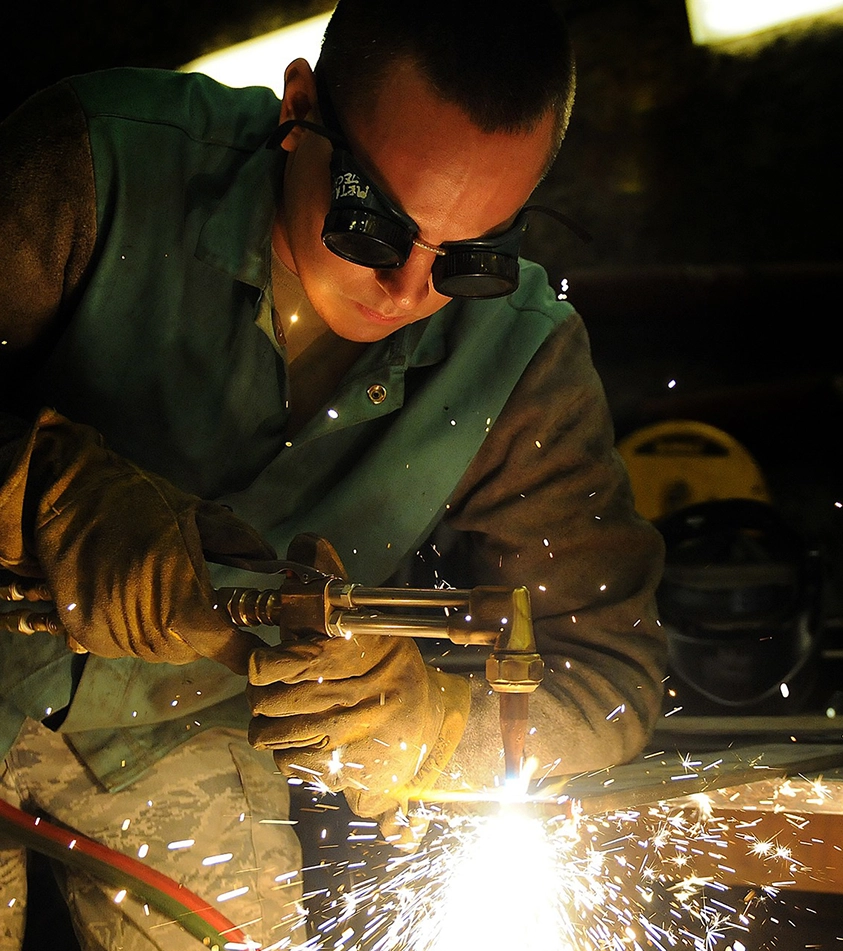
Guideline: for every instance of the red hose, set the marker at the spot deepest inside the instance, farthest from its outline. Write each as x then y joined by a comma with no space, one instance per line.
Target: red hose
194,914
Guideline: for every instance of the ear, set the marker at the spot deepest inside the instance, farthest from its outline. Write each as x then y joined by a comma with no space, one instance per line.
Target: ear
299,99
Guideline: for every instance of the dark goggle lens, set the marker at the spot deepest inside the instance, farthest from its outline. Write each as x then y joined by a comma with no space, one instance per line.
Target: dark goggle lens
366,238
475,273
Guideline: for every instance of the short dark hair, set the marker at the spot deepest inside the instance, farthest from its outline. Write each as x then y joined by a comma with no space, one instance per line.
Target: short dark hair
505,64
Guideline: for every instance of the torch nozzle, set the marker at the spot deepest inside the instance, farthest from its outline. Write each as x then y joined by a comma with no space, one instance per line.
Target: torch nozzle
514,707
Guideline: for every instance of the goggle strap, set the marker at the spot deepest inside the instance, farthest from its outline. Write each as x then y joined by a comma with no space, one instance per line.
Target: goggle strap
278,135
569,223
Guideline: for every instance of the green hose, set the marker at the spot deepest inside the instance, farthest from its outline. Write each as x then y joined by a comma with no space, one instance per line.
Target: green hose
196,916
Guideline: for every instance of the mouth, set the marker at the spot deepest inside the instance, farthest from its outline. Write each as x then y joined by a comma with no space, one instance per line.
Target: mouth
377,317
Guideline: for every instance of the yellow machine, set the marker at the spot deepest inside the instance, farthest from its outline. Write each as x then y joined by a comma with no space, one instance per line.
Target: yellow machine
677,463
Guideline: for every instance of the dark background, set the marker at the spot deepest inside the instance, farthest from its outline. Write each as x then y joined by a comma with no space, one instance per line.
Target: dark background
711,181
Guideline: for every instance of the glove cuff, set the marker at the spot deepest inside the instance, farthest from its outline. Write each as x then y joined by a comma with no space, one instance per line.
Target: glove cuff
19,497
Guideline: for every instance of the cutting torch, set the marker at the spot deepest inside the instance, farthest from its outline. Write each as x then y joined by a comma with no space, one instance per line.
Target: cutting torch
311,601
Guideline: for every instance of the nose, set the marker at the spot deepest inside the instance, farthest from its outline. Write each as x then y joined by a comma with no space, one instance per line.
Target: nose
408,286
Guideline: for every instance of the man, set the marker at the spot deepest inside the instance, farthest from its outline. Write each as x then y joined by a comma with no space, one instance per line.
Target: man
189,313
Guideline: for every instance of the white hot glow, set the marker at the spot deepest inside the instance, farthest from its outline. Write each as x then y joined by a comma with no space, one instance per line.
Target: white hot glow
512,857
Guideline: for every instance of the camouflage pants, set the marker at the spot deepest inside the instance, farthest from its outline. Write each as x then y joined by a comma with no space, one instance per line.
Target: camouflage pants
211,798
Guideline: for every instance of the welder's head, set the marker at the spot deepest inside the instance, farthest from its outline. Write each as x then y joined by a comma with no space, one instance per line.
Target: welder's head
411,153
506,65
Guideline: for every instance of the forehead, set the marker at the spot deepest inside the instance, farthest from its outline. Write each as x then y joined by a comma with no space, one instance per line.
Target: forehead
455,180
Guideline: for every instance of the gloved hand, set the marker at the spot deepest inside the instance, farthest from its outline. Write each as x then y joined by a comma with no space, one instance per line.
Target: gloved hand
365,714
121,549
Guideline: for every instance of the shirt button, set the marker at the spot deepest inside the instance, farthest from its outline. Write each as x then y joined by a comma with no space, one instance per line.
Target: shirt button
376,393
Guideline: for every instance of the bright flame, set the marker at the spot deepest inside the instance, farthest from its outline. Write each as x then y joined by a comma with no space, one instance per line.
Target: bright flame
503,892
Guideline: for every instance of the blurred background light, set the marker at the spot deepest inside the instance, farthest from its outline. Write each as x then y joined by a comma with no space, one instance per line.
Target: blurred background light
716,21
261,61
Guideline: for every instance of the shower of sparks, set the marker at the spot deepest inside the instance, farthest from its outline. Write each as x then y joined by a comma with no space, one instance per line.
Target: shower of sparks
498,887
543,877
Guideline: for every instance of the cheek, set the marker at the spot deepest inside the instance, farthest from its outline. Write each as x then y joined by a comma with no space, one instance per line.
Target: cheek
306,202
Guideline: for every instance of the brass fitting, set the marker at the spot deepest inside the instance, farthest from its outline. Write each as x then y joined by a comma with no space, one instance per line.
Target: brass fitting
514,666
514,673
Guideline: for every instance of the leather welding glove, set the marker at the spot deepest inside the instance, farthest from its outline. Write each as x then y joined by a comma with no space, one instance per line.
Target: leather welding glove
122,550
363,715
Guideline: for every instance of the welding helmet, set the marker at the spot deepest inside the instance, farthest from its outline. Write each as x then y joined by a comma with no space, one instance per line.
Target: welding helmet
740,601
364,226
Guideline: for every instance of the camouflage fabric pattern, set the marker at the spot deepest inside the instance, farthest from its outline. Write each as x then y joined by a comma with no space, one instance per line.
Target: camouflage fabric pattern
211,797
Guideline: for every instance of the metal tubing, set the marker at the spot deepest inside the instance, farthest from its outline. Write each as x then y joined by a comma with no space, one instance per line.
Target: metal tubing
348,624
352,595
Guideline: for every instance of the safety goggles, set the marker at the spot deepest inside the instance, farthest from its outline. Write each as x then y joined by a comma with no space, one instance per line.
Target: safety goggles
364,226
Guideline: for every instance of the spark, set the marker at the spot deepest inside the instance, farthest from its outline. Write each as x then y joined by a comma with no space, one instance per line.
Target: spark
217,859
180,844
819,790
335,763
234,893
507,870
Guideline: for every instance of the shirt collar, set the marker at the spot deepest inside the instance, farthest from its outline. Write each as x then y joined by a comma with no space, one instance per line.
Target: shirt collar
236,237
